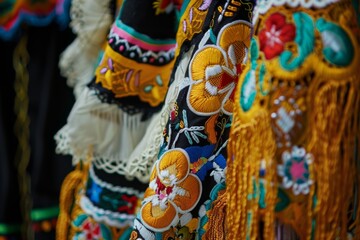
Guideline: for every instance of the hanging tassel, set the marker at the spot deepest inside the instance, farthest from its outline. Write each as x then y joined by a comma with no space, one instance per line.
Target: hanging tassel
356,207
332,124
216,224
71,185
251,142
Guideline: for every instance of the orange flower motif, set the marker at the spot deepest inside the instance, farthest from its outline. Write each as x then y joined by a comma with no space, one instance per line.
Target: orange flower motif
215,70
172,191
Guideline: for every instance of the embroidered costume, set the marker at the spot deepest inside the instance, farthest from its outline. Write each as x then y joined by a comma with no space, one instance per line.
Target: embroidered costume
186,194
249,129
114,129
294,145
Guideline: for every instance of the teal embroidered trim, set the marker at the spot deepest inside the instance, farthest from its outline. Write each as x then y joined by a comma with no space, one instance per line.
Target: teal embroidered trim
141,36
248,88
183,7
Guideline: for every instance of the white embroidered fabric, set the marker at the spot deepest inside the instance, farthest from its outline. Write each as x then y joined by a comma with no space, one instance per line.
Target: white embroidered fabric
91,21
100,130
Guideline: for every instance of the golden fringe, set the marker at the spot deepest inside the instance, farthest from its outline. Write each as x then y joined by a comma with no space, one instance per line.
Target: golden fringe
249,144
332,128
357,161
216,224
69,191
332,135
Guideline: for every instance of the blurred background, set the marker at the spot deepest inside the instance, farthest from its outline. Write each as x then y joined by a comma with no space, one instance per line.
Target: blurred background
34,104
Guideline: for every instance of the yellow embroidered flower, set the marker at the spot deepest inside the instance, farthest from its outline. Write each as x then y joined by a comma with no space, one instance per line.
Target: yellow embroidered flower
172,191
215,69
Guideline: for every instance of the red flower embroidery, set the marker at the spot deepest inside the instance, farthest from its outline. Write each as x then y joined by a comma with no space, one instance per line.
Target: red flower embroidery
276,33
91,230
131,204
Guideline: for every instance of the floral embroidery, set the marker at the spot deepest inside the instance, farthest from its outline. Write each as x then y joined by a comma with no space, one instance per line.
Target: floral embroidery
295,170
91,230
131,204
276,33
125,77
172,190
215,77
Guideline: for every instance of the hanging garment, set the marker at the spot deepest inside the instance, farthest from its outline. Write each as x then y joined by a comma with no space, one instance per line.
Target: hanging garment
293,166
185,198
114,129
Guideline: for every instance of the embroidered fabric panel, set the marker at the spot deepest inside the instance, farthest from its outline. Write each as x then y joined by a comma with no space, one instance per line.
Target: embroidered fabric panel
34,13
112,204
84,226
189,172
100,209
294,100
135,69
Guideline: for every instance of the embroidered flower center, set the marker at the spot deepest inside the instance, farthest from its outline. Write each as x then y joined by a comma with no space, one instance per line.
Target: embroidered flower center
298,170
162,190
273,36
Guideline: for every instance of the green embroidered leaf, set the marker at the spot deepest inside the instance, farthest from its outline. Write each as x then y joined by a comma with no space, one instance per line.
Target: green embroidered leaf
105,232
80,220
338,48
305,40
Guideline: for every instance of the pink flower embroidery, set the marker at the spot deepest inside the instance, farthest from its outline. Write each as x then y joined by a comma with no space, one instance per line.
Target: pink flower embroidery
276,33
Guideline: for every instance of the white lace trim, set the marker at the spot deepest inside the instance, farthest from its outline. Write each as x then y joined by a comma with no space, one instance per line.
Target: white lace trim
262,6
114,219
140,162
100,131
91,21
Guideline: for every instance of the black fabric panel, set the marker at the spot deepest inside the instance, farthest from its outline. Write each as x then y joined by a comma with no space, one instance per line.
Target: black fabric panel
119,180
50,103
140,15
9,190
